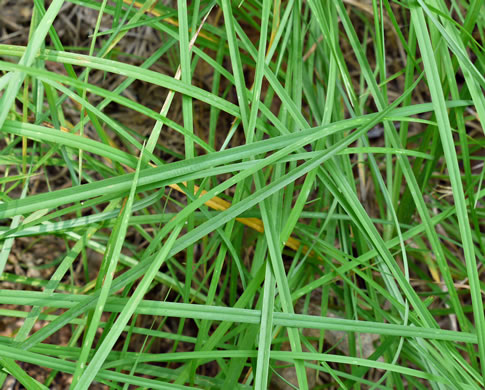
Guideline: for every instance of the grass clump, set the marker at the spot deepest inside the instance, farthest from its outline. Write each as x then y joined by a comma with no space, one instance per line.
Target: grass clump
242,195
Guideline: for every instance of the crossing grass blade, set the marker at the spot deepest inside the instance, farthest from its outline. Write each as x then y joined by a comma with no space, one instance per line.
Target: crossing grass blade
455,177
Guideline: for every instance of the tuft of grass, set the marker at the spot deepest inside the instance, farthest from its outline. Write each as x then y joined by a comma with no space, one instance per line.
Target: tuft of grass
243,194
